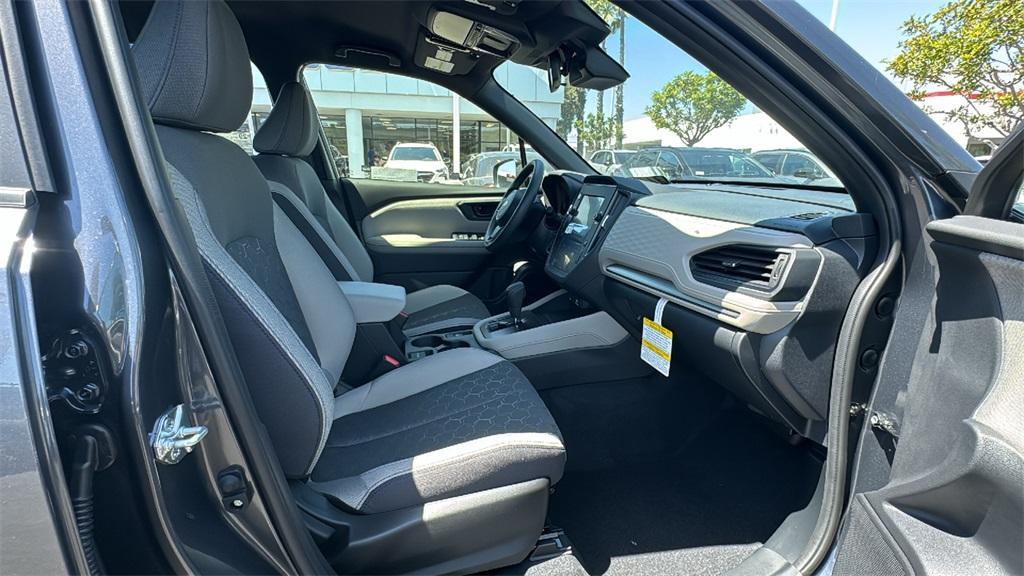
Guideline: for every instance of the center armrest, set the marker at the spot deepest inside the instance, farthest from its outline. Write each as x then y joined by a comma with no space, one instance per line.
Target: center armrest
372,302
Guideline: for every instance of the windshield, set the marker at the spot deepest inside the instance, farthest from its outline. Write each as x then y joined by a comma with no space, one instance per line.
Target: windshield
672,119
958,60
414,153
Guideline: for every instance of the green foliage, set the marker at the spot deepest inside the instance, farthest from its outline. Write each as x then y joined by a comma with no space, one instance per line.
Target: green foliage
608,12
573,101
597,131
691,105
973,48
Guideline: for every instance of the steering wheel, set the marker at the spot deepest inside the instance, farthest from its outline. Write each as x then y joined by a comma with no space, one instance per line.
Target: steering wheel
514,206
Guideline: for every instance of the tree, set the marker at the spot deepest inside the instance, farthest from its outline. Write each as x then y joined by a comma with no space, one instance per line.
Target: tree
972,48
615,18
619,90
691,105
573,102
596,131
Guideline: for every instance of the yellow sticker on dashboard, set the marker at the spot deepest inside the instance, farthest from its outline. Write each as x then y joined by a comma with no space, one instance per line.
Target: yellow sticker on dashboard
656,342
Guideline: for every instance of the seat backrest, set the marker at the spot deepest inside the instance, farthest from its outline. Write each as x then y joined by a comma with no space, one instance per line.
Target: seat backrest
292,336
288,135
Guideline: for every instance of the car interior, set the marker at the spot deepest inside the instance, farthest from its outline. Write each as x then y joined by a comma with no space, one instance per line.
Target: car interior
436,410
540,369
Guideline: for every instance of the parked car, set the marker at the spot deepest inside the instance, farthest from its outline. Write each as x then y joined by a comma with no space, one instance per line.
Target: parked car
424,159
677,163
605,161
798,164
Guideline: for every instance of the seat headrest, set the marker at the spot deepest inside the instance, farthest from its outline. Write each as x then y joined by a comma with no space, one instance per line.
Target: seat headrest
291,127
194,66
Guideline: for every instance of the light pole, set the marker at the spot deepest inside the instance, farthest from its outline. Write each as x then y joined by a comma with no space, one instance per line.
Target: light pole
456,134
835,14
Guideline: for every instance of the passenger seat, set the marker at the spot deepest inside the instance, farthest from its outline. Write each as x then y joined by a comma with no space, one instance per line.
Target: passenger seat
288,135
443,465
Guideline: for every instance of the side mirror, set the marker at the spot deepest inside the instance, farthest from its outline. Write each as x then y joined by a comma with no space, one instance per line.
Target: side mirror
505,172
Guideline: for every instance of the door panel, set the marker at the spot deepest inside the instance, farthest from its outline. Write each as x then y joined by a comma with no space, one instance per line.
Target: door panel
957,480
953,501
378,193
426,234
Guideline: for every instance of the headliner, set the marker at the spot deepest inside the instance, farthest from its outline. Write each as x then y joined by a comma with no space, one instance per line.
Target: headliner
284,35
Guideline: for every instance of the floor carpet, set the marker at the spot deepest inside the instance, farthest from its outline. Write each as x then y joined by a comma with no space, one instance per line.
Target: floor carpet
698,505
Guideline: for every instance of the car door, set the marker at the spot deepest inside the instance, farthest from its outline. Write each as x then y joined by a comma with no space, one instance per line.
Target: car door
939,477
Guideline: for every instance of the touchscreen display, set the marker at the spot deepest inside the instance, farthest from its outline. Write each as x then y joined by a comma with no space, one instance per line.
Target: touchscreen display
579,227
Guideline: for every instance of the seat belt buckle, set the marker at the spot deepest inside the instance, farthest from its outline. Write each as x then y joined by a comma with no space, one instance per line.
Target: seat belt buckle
392,360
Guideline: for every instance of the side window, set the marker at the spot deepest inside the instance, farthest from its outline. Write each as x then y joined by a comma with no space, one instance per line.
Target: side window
801,167
670,165
384,126
771,161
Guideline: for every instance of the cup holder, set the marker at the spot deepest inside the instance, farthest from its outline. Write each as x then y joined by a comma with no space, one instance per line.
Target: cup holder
456,344
430,341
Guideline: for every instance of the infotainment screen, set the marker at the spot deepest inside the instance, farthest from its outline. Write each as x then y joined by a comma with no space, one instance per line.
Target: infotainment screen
579,226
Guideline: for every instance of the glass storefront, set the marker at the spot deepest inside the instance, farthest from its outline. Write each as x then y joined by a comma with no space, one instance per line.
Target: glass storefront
381,133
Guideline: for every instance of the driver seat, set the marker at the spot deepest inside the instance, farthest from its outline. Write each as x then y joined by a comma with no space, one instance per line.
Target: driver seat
288,135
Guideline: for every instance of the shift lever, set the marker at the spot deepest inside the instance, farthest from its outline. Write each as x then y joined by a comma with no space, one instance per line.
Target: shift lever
514,295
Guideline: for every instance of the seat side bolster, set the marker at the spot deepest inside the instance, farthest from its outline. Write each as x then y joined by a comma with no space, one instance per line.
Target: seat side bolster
319,239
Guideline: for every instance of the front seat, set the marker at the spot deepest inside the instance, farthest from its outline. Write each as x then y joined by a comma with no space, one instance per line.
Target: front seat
443,465
289,134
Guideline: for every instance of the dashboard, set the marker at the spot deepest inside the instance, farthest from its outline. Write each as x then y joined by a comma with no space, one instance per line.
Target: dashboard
756,279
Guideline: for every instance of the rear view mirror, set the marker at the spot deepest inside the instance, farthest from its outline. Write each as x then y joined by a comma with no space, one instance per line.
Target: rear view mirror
595,70
554,70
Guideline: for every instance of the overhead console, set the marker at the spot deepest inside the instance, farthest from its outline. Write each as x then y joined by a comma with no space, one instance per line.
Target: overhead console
561,37
471,35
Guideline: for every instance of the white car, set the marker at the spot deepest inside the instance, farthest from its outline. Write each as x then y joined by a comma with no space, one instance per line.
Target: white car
605,161
425,159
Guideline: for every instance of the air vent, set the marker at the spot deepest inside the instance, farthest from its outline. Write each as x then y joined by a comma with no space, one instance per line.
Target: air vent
809,216
756,267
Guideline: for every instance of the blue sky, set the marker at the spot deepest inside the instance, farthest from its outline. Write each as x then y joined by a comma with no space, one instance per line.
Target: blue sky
871,27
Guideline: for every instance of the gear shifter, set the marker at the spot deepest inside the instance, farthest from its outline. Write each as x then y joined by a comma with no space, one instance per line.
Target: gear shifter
514,295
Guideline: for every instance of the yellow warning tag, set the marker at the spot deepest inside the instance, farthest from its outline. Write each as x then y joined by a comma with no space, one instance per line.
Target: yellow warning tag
656,343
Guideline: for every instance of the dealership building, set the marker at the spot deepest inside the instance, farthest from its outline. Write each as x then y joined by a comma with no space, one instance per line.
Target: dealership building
365,113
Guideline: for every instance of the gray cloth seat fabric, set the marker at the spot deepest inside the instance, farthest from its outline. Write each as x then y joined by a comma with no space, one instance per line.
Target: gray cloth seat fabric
462,422
288,135
469,422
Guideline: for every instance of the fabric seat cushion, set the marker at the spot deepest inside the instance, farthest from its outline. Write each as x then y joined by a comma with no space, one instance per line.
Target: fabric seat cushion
458,422
437,307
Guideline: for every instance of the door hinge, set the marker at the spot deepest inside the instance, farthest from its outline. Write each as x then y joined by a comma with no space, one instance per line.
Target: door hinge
171,440
881,421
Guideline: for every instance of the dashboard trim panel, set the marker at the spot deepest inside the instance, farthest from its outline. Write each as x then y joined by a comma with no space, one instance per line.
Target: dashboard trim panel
650,249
